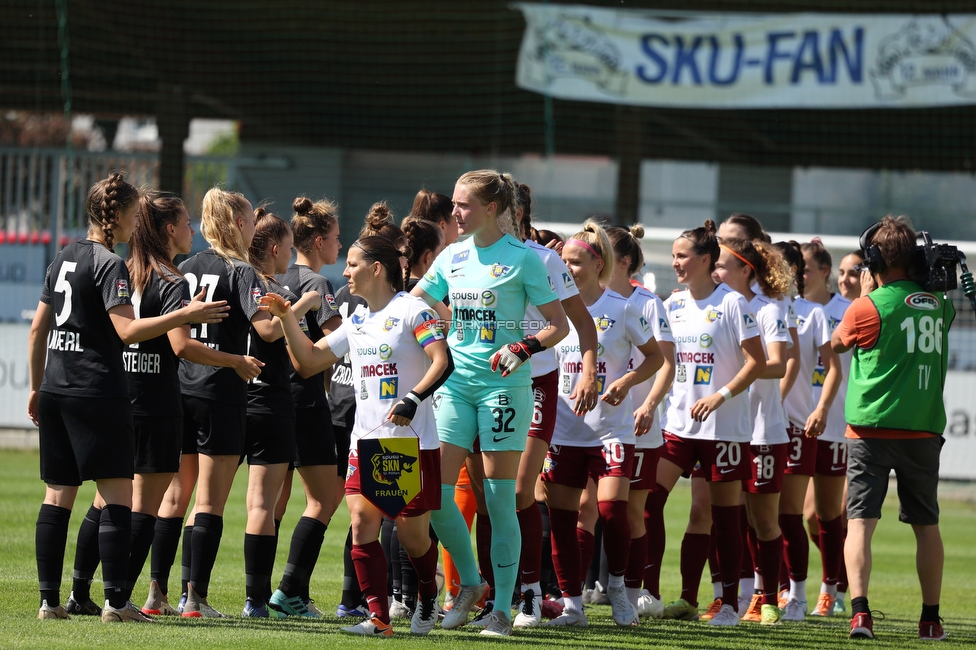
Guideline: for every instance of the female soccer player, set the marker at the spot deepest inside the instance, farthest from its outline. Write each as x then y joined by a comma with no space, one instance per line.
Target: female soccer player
80,397
316,236
827,492
600,444
393,343
158,288
438,209
269,441
646,396
426,241
740,264
718,355
489,279
215,399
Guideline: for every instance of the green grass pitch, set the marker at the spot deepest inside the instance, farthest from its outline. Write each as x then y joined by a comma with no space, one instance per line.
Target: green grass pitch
894,591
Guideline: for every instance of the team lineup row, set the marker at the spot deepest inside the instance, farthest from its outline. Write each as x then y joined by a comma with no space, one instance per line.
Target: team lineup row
175,375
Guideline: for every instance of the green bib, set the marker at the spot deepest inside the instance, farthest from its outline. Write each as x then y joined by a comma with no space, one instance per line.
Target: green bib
898,383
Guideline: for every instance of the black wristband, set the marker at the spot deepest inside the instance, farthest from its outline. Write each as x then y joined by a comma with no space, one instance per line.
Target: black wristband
407,407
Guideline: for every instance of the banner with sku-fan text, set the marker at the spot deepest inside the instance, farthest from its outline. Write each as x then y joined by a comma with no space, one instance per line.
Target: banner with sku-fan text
724,61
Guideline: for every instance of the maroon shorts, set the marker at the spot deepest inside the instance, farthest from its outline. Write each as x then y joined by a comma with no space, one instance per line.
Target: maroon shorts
831,458
720,460
430,490
801,458
544,398
572,466
766,463
644,476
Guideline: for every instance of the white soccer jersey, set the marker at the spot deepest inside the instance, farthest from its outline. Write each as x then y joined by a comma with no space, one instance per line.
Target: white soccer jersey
813,333
386,349
619,327
545,362
707,337
652,308
768,415
836,420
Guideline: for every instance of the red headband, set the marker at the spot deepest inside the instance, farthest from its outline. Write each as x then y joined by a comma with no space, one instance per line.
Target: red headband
744,260
583,244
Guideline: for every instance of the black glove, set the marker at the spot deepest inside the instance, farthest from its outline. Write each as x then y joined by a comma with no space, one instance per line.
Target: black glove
407,407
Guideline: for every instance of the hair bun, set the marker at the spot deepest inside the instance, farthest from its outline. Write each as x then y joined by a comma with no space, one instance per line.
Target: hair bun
260,212
302,205
379,215
709,226
637,231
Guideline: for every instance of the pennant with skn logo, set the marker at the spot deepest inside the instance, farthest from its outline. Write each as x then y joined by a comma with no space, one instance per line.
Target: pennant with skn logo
390,470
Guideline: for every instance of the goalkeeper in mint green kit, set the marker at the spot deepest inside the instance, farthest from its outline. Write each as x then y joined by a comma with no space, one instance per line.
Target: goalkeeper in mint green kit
489,280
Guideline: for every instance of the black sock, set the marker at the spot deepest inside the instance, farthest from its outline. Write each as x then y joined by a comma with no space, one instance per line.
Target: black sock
187,558
114,542
386,539
86,555
50,540
306,542
258,566
143,531
207,530
352,596
930,613
166,541
859,605
393,561
408,580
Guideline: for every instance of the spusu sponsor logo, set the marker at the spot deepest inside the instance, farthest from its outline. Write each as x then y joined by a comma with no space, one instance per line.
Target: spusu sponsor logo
922,300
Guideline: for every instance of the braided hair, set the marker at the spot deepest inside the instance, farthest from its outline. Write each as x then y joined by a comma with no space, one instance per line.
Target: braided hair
107,200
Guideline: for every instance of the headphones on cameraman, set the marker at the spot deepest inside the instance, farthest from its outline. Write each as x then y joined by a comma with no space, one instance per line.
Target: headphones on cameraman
872,254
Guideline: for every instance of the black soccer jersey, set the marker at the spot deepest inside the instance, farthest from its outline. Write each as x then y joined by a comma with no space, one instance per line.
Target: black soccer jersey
342,395
237,283
152,367
299,279
270,392
84,352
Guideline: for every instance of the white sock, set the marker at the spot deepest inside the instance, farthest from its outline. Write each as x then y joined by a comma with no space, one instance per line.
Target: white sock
573,602
633,593
535,587
829,589
758,584
615,582
798,590
745,587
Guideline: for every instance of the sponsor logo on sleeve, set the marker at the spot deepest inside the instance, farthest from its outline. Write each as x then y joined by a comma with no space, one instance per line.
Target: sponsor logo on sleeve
552,285
256,295
780,326
122,288
749,321
832,323
662,324
330,301
568,281
643,324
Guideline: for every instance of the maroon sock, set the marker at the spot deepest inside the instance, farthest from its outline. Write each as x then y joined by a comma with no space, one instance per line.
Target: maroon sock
586,543
748,559
634,576
370,563
842,574
770,557
728,540
426,568
656,538
831,548
530,524
797,546
815,537
751,544
694,554
715,572
565,550
483,542
616,535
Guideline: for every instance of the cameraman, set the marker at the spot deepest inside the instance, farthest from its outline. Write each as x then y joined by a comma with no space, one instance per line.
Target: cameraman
895,414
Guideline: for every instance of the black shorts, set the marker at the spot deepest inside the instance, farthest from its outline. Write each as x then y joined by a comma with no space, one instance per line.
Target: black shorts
85,438
270,439
916,465
314,438
159,442
341,435
213,428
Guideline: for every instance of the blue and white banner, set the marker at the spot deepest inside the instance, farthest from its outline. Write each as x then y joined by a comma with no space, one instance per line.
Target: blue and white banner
727,61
